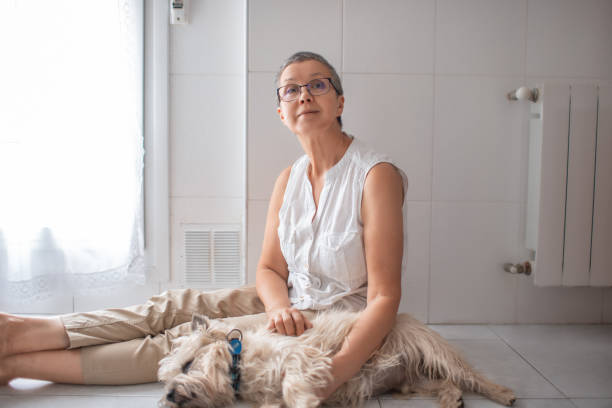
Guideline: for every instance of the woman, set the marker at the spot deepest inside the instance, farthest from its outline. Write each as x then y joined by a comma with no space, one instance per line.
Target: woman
333,238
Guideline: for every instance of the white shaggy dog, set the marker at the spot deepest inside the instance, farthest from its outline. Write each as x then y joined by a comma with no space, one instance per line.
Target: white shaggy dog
277,370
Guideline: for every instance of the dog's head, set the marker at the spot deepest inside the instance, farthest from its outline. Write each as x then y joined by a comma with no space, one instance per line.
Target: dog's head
196,372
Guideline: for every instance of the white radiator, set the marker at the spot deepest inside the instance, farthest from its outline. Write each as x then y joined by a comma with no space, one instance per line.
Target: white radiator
569,201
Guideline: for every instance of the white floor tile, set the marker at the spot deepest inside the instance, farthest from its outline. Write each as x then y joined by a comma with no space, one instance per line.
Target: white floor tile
502,365
592,402
22,386
46,401
577,359
412,403
525,403
389,402
464,331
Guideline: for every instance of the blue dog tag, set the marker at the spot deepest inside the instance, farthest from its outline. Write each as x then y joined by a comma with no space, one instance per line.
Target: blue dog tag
235,346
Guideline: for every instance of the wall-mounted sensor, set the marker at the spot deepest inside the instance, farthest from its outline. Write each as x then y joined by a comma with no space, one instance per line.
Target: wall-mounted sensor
178,14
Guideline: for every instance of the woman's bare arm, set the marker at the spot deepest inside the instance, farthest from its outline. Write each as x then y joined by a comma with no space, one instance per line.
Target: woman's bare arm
272,271
381,211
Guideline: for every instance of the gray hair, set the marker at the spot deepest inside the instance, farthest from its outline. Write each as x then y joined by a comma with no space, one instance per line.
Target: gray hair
308,56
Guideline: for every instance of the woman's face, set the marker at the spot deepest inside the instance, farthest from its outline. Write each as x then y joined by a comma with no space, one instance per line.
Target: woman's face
309,113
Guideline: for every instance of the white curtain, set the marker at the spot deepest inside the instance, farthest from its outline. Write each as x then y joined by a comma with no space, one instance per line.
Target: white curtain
71,146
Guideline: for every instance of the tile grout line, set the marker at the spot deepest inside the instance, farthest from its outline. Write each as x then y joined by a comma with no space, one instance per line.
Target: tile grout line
530,364
431,169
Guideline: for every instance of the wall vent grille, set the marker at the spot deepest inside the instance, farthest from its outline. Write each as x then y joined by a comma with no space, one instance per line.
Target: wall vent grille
212,256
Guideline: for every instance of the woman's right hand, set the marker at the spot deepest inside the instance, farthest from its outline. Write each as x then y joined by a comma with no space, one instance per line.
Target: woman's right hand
288,321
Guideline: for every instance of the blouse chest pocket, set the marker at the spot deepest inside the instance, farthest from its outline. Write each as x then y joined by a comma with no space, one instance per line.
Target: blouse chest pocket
341,257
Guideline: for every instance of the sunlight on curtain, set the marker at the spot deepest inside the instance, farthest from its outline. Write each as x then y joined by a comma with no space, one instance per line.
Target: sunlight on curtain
71,145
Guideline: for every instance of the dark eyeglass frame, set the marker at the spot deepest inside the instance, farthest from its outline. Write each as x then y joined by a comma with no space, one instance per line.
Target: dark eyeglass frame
308,85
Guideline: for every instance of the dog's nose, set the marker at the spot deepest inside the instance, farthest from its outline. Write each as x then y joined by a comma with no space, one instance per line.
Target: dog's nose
170,396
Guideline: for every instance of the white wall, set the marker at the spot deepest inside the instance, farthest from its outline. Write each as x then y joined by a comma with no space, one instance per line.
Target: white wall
425,82
207,119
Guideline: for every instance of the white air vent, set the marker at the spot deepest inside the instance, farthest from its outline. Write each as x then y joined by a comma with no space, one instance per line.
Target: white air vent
212,256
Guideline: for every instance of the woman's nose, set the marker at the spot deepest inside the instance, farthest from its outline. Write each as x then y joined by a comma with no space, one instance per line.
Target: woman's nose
305,95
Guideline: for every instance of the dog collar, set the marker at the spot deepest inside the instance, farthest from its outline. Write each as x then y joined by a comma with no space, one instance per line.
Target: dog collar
235,346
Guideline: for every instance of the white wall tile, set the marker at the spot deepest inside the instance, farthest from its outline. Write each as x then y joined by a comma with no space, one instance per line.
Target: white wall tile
257,213
213,41
395,36
278,28
207,136
478,139
393,114
480,36
271,146
415,264
470,242
607,306
55,305
117,297
207,210
556,304
569,38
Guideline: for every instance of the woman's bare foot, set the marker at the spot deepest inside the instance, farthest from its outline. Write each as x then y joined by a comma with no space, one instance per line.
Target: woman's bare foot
5,372
6,331
34,347
28,334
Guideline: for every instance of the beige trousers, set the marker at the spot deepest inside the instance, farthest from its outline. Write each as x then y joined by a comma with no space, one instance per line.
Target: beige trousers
124,346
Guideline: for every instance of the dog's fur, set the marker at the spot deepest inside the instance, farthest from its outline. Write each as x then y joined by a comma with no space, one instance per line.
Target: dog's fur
278,370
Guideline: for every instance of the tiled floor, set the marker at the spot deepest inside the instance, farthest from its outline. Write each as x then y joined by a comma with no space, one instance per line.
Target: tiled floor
548,366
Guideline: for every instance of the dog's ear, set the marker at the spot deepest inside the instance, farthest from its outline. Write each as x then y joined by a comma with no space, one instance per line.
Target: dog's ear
198,320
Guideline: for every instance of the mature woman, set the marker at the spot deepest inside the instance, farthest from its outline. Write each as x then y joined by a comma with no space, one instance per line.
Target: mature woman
333,238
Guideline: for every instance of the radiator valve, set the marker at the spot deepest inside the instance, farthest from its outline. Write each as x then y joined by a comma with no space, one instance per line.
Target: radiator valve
520,268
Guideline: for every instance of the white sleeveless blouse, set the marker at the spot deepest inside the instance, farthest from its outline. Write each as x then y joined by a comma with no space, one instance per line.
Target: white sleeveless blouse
326,257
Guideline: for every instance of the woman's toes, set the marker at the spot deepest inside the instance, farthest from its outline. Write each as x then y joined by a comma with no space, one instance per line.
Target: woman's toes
4,320
5,374
8,325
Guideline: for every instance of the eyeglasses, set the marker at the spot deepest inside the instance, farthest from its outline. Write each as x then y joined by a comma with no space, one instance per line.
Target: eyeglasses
291,92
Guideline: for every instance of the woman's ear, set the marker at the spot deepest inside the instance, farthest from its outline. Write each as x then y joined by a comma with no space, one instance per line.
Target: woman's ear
280,113
340,105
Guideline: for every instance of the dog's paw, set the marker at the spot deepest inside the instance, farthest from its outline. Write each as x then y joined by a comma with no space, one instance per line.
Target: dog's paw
505,396
402,395
451,402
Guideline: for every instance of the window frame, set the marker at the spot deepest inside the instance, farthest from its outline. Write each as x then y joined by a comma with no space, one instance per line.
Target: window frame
156,130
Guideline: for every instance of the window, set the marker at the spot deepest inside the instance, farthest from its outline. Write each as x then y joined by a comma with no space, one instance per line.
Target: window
71,146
